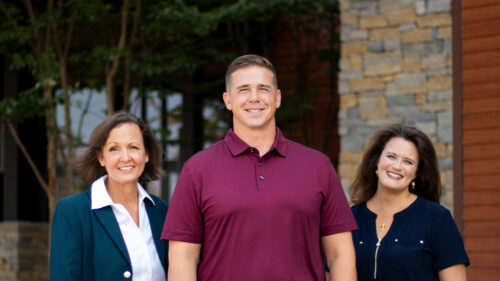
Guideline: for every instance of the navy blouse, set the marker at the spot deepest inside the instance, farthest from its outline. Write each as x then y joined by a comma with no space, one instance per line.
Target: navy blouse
422,240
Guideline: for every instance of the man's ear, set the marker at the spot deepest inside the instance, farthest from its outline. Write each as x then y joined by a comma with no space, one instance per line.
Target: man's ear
227,100
278,98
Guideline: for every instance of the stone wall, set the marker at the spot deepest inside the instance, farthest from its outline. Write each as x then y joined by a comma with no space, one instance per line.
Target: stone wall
395,67
24,251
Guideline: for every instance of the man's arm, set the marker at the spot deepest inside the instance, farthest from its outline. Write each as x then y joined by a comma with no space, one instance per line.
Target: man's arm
340,256
183,258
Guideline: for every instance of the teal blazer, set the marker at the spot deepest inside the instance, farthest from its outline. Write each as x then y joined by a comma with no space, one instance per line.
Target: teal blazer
87,245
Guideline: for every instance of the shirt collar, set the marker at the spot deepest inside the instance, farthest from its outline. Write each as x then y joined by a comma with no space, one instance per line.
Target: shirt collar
100,197
237,146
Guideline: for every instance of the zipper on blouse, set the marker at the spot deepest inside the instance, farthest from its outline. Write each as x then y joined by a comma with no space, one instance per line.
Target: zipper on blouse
376,255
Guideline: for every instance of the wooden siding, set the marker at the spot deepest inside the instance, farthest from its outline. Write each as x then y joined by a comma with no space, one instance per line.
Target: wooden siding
481,136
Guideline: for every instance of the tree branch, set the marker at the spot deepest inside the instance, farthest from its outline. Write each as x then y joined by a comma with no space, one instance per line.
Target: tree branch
27,156
116,60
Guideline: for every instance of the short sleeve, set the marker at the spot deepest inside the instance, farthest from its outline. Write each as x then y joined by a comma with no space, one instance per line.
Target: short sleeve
448,246
336,215
184,219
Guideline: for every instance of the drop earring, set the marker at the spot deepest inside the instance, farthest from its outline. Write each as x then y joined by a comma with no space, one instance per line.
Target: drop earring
412,185
376,172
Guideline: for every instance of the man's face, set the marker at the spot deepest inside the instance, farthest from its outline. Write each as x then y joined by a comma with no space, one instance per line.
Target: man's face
252,98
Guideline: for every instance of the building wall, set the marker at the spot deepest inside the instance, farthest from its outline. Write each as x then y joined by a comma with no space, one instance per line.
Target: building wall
395,68
481,136
24,251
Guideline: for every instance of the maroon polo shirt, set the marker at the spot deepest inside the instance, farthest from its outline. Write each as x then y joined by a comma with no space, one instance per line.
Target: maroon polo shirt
258,218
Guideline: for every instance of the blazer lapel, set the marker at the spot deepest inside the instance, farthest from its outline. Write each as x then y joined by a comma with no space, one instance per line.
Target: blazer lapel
154,215
108,221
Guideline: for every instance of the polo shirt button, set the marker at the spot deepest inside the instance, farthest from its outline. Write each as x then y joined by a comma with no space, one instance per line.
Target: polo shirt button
259,164
127,274
251,150
261,177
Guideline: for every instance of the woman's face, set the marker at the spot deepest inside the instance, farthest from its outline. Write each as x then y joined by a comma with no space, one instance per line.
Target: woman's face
397,165
124,155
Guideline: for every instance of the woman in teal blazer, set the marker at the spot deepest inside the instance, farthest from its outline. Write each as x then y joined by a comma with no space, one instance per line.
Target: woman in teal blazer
112,230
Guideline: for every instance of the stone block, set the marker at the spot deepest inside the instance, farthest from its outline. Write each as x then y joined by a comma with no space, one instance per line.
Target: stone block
427,127
439,83
376,46
420,98
345,63
406,78
445,95
423,48
383,69
350,142
364,5
344,87
411,64
371,107
441,150
391,5
384,34
446,71
439,6
400,100
392,44
345,5
416,36
378,58
444,33
376,21
383,122
420,7
349,17
445,163
434,61
387,78
447,47
404,89
348,49
350,74
366,84
433,20
399,17
348,170
405,27
356,62
420,117
349,100
402,111
436,106
350,33
445,118
350,156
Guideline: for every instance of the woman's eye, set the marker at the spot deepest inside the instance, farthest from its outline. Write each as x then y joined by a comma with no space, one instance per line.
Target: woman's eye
113,149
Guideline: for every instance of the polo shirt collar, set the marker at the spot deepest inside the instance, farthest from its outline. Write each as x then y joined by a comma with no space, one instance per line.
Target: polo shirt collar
237,146
100,197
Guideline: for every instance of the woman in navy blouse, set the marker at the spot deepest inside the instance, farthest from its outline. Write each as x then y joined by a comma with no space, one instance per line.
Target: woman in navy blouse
404,234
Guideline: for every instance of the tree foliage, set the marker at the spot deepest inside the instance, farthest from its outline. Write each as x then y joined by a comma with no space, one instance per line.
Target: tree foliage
143,45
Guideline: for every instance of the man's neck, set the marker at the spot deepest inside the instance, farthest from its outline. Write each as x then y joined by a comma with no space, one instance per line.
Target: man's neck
263,140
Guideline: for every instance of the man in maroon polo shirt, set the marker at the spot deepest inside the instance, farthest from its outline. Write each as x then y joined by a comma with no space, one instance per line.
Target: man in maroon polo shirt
257,206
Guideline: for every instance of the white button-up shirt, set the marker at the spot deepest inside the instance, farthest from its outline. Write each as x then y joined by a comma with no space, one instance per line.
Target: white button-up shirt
146,264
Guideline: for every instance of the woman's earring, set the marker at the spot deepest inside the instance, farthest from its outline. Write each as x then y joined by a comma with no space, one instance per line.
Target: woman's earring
376,172
412,185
